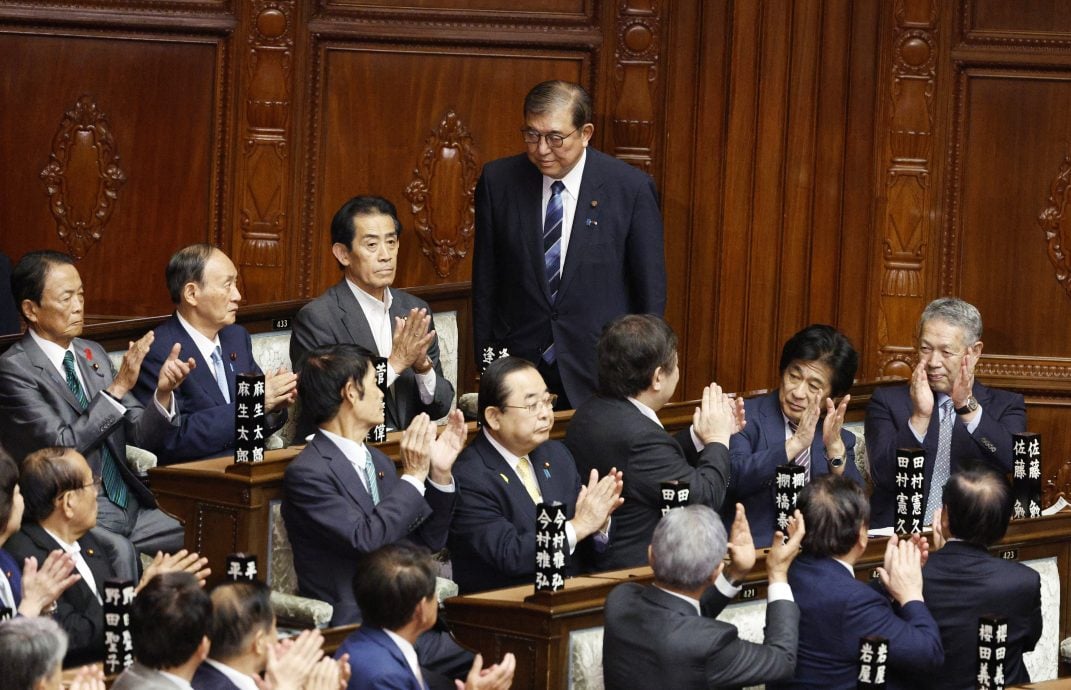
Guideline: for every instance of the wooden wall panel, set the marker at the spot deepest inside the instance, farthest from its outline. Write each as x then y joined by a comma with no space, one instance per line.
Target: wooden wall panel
160,97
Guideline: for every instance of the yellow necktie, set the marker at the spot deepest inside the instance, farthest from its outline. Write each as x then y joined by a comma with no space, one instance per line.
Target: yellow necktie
524,471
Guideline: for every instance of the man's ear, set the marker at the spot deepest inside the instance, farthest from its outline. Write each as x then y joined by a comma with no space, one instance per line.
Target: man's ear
341,253
657,377
585,133
28,308
493,415
189,293
202,649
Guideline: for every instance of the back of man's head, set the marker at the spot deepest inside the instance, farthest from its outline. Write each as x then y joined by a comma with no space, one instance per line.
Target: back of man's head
630,349
978,502
46,475
834,509
391,581
326,371
239,611
687,546
31,650
169,620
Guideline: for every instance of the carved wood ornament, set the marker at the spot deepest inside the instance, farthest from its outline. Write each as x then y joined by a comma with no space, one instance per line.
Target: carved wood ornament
82,178
635,74
1052,222
441,194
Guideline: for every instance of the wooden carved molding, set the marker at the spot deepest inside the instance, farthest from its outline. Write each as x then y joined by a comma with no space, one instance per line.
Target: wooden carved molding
264,160
441,194
1051,220
1056,485
636,58
82,178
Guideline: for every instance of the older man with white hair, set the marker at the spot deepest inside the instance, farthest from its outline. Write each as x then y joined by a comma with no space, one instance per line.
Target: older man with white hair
31,657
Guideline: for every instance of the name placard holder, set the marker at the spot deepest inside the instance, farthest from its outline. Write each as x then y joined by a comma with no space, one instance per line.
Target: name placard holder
789,481
241,567
550,547
873,655
250,425
378,433
910,500
1026,475
118,644
674,495
992,648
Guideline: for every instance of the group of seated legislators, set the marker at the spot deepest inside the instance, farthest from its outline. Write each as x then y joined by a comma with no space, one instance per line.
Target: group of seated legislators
578,325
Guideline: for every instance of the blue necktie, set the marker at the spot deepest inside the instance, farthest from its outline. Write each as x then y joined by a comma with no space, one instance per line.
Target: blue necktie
221,375
114,486
370,475
943,463
552,249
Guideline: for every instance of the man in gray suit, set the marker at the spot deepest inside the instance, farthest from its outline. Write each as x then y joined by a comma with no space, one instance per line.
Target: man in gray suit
57,389
665,634
363,309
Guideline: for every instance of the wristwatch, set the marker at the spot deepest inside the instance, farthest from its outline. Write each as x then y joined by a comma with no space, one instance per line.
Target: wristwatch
970,406
836,463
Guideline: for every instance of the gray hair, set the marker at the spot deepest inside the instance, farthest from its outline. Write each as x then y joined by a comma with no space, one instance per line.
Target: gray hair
551,96
955,312
688,544
31,649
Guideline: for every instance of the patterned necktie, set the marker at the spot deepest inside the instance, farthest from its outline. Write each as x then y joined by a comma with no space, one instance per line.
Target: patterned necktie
114,486
552,249
804,457
221,374
370,475
943,462
524,471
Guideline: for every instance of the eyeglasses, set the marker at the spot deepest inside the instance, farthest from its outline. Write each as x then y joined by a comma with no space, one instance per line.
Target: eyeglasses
553,139
547,402
95,484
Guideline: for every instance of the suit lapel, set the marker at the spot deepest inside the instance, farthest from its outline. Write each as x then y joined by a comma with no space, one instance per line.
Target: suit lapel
204,374
543,467
48,371
95,559
380,638
586,209
497,466
344,471
93,376
352,317
530,207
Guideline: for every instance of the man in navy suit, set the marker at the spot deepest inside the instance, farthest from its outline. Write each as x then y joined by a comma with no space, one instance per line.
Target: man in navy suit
364,309
942,409
507,470
395,588
638,374
783,426
203,283
567,239
343,498
962,581
837,610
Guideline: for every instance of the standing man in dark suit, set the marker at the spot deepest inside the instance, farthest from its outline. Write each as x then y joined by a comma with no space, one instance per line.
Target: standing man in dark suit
395,588
203,283
943,410
665,634
507,470
962,581
638,374
57,389
838,610
567,239
343,498
788,426
364,309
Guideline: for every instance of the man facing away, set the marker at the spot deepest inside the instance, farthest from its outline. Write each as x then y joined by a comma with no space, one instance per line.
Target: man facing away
567,239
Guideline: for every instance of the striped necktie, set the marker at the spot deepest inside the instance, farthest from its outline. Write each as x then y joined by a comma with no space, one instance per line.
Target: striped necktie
220,372
552,249
804,458
943,463
114,486
370,475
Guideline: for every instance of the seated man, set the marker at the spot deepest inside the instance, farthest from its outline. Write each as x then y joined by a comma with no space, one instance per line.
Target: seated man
364,309
343,498
508,469
665,634
57,389
962,581
943,410
837,610
31,655
60,493
395,588
783,425
243,636
203,283
638,374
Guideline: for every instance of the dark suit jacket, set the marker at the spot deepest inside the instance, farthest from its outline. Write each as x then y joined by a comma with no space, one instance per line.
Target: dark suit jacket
887,429
653,639
336,317
12,570
755,453
963,582
609,433
207,426
614,264
37,409
79,612
207,677
836,610
376,662
492,536
331,520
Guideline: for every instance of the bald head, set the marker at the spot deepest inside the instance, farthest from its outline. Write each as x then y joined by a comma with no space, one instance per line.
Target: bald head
978,504
240,610
49,473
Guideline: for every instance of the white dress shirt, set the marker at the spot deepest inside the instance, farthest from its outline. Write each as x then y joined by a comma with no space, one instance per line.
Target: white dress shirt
570,195
80,564
653,416
409,652
357,454
242,681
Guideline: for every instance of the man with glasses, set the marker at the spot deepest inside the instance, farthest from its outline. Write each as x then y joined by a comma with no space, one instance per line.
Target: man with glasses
507,470
567,239
942,409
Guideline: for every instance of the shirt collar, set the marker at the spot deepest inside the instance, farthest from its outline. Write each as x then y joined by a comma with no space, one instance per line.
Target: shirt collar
509,457
693,602
646,411
73,549
355,452
407,651
205,346
850,569
571,180
181,682
241,680
53,351
367,301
